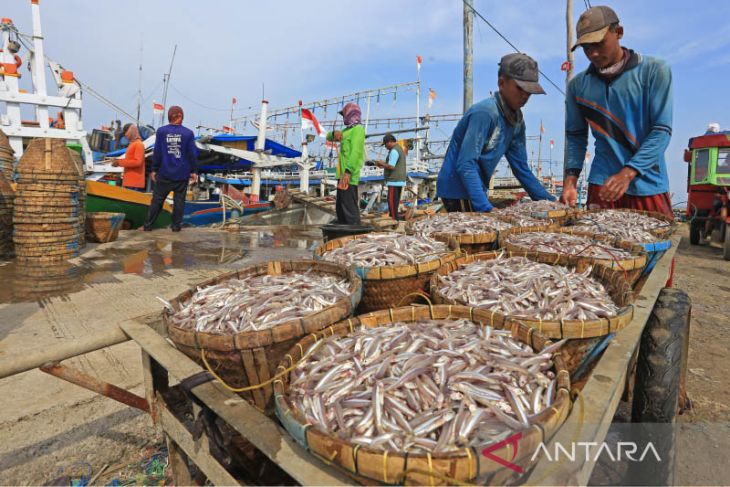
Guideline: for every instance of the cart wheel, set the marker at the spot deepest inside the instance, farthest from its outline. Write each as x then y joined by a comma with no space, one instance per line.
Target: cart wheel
726,244
695,232
658,376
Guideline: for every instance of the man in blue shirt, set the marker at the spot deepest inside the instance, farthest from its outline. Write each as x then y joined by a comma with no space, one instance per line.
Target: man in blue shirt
626,99
173,165
489,130
394,173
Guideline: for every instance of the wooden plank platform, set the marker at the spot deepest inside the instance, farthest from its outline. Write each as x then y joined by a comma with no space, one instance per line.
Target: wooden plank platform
261,431
604,388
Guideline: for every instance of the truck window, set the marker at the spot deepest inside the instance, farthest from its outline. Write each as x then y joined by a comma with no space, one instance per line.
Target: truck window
723,161
702,163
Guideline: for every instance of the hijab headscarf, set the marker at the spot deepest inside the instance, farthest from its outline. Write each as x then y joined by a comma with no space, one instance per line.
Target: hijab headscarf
132,133
351,114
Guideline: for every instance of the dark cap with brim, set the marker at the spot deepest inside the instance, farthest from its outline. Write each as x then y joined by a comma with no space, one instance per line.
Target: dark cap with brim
523,69
593,25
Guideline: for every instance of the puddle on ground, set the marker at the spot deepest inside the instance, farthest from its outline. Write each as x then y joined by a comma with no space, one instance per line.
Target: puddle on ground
155,254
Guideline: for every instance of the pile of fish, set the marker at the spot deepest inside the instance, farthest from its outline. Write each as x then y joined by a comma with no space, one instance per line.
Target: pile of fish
567,244
532,209
626,225
520,287
260,302
383,249
460,223
429,386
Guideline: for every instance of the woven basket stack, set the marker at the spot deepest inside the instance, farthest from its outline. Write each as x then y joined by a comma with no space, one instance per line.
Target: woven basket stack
47,209
6,156
7,195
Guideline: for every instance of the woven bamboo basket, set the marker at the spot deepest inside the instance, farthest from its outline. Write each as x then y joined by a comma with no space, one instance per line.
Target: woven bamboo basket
631,268
654,250
103,226
661,233
391,286
582,335
249,358
7,197
467,465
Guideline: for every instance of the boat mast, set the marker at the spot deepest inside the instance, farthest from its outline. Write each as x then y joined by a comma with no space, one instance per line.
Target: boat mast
139,84
166,80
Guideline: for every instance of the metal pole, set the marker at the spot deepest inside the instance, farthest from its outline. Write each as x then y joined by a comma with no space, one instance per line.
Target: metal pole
418,111
569,72
539,153
38,68
468,56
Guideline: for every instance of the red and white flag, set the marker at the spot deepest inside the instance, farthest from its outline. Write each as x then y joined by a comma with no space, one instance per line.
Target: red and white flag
419,60
309,121
552,143
227,129
157,108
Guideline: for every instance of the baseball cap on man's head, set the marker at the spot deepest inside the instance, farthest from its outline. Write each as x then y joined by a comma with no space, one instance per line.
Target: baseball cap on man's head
593,25
523,69
388,138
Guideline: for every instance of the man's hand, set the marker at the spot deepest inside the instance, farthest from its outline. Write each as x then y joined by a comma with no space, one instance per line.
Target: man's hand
570,191
115,163
153,176
615,186
344,181
193,178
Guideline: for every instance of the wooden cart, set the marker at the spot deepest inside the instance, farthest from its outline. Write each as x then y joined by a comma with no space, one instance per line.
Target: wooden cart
163,364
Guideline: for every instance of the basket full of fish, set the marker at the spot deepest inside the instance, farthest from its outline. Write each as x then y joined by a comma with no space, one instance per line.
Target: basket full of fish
415,395
566,246
240,324
394,267
558,301
650,230
475,232
542,210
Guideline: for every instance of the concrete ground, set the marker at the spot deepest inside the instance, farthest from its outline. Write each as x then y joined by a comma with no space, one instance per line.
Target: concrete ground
49,426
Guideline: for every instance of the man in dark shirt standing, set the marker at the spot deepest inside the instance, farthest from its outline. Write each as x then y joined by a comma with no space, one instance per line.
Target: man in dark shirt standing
173,165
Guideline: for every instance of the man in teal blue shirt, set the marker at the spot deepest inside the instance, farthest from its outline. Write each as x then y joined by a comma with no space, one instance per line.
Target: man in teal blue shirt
489,130
626,100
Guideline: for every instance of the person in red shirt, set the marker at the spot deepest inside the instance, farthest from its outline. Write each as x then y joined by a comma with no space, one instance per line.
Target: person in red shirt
133,160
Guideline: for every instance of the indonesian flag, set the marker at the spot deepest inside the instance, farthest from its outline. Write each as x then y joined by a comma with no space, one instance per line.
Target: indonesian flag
157,108
309,121
552,143
419,60
227,129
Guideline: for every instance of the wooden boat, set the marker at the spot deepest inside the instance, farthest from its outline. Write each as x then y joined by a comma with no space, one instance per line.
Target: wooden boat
134,204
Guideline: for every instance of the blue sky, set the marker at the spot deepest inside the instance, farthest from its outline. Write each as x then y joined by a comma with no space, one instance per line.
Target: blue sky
317,49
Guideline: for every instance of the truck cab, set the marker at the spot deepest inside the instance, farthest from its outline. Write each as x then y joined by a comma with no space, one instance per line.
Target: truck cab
708,181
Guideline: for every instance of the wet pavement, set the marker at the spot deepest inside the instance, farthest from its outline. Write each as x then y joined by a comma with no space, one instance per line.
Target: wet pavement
155,254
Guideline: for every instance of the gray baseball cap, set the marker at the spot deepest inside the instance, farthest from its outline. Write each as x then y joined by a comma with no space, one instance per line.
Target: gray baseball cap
523,69
593,25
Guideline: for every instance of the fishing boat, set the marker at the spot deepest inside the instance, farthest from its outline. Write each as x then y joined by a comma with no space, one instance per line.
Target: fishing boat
101,196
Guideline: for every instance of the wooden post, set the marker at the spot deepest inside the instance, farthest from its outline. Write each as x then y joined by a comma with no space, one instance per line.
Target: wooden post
569,71
468,56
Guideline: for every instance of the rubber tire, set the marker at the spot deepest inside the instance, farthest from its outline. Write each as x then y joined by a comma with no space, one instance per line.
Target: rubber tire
726,243
658,373
695,232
